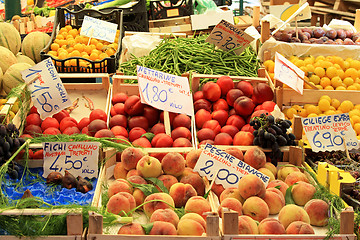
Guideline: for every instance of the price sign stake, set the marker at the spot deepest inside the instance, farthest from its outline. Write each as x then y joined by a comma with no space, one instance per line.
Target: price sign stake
96,28
327,133
165,91
227,170
47,91
226,36
79,158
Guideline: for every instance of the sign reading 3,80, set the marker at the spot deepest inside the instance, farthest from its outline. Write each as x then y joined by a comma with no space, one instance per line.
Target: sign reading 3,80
79,158
227,170
47,91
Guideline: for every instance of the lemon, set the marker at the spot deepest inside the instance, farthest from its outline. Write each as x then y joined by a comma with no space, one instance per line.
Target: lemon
346,106
324,105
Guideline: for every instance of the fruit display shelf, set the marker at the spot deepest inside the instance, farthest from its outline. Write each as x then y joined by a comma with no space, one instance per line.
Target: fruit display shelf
96,230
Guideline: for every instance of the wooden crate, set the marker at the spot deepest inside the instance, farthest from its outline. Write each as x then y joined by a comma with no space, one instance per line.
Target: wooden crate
133,89
95,230
26,25
171,25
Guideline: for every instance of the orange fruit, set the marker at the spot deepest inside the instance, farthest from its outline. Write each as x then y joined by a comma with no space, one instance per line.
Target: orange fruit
68,27
94,56
73,32
79,47
54,46
99,46
351,72
87,49
93,41
63,55
75,53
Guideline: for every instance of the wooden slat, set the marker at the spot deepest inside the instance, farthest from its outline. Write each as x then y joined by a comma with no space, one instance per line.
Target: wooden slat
327,10
27,212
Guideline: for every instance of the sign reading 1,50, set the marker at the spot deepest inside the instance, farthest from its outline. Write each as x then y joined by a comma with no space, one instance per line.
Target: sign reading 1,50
77,164
42,99
222,174
155,94
333,140
229,43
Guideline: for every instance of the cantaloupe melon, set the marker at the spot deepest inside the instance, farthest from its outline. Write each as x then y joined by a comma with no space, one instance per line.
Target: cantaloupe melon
24,59
33,43
12,76
10,37
7,58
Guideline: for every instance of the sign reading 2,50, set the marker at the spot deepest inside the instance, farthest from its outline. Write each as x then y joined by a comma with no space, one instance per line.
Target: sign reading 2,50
223,174
77,164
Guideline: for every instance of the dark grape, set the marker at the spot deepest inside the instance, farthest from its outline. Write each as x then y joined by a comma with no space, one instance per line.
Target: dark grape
16,167
252,123
275,146
268,144
291,136
256,141
272,137
7,155
271,119
16,143
1,151
10,141
6,147
278,130
284,124
289,122
261,132
22,141
267,135
262,115
13,174
255,133
10,127
256,127
281,140
271,130
2,130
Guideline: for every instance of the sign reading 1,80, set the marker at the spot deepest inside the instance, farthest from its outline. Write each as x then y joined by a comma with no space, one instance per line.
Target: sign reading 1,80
155,94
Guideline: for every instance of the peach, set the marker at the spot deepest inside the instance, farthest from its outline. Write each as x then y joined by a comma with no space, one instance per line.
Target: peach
197,204
119,185
221,116
152,205
149,167
291,213
133,106
136,133
268,173
299,227
131,156
162,140
132,229
136,179
263,92
236,121
139,196
255,157
196,217
217,189
196,181
232,95
158,128
49,122
231,193
138,121
295,177
247,128
132,172
182,142
120,171
246,88
190,227
129,197
118,204
230,203
211,91
103,133
279,185
247,225
173,164
220,104
302,192
251,185
119,98
188,171
163,228
98,114
244,106
165,215
168,181
256,208
271,226
202,104
96,125
223,139
271,167
243,139
236,152
181,192
230,129
212,124
318,211
151,114
172,115
201,117
283,172
274,199
181,120
192,157
181,132
205,134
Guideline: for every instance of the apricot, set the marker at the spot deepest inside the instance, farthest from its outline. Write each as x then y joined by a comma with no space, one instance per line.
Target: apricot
138,121
232,95
247,225
211,91
165,215
318,211
163,228
197,204
181,192
255,157
291,213
120,171
133,106
250,185
271,226
302,192
132,229
232,204
299,227
119,185
223,139
201,117
196,181
152,205
256,208
173,164
192,157
131,156
295,177
149,167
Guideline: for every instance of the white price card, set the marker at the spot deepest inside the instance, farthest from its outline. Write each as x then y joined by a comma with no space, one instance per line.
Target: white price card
229,169
165,91
99,29
47,91
328,133
79,158
227,36
289,74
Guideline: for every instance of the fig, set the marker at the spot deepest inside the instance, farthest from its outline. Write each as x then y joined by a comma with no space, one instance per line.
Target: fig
341,34
312,40
331,34
277,35
285,37
309,31
349,33
294,39
54,177
83,185
69,181
355,37
27,194
319,32
324,39
348,41
330,41
308,35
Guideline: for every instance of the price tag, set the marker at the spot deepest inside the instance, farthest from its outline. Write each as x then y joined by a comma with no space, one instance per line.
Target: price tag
226,36
47,91
327,133
165,91
286,72
79,158
96,28
229,169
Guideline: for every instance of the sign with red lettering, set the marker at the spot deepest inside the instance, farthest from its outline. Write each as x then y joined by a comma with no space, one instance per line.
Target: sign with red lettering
79,158
227,36
227,170
328,133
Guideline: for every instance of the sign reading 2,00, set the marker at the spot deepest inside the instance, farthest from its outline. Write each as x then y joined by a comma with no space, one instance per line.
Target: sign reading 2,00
222,174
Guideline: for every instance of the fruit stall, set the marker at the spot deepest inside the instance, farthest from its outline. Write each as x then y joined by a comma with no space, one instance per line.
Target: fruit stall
170,120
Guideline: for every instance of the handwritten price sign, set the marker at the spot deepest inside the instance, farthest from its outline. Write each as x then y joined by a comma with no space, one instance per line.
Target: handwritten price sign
229,169
95,28
286,72
79,158
47,91
227,37
327,133
165,91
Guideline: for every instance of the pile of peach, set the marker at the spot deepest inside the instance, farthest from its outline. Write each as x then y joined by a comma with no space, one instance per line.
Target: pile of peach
255,202
185,188
223,110
130,119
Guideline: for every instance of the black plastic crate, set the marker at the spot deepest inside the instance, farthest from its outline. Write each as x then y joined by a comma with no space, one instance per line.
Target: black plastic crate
65,17
162,9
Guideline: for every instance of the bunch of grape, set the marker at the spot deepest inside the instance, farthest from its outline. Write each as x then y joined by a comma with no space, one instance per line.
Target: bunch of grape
272,133
9,143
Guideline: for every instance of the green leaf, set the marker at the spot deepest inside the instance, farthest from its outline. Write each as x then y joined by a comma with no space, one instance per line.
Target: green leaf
288,196
147,227
278,187
207,194
158,183
148,135
147,189
180,211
